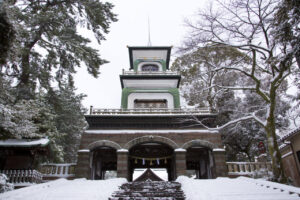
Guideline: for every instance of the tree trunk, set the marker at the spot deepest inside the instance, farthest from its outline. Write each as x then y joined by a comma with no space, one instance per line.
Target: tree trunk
273,148
25,87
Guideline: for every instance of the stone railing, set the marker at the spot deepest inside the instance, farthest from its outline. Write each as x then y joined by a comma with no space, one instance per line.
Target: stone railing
53,170
98,111
247,168
23,177
149,73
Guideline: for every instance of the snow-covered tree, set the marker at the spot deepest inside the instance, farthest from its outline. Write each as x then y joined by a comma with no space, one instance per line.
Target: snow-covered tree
69,120
286,29
7,34
48,46
43,44
246,26
4,185
200,84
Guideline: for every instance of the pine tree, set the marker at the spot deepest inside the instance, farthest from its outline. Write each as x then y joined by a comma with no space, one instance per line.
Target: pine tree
69,121
48,44
47,41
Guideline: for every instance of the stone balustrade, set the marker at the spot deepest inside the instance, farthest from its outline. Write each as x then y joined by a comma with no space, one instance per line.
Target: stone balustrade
247,168
23,177
52,171
97,111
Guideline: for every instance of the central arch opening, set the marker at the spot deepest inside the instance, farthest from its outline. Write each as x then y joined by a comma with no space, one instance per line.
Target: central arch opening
153,155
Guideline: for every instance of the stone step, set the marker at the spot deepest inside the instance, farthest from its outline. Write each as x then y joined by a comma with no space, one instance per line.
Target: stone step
146,198
147,194
149,190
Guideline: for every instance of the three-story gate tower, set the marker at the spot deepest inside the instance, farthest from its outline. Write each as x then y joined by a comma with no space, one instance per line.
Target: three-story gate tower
150,130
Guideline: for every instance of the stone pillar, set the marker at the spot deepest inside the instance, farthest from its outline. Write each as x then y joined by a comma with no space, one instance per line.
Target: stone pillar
220,164
122,164
180,162
82,169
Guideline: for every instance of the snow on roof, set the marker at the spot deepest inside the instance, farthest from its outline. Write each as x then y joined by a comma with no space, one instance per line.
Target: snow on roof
290,134
24,142
125,131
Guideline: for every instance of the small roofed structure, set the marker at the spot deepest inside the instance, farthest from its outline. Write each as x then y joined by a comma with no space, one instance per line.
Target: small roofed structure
21,153
19,159
148,175
290,152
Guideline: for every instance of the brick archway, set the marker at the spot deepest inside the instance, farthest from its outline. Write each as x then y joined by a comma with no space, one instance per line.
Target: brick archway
151,138
102,143
202,143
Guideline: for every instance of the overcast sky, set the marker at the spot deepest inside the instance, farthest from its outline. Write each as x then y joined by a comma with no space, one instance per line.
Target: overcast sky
166,27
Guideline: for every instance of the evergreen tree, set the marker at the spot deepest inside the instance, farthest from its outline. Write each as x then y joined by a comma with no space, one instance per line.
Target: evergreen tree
48,46
69,121
47,41
286,28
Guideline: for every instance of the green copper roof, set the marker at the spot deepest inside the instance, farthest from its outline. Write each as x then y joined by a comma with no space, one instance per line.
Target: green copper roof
150,48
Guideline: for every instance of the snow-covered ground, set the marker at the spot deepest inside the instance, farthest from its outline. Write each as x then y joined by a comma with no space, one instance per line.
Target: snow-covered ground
236,189
213,189
62,189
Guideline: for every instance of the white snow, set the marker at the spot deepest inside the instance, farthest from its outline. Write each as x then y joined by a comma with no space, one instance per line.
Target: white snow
23,142
161,172
62,189
180,150
287,154
125,131
84,150
218,149
122,150
241,188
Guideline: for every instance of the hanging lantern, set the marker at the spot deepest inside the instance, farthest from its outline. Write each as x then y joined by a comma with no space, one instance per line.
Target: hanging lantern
135,161
151,162
157,161
165,160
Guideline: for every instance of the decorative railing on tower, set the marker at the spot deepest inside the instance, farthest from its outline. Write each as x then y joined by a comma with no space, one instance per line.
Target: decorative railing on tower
165,111
149,72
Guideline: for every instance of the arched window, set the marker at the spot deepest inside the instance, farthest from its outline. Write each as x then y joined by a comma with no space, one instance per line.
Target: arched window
150,67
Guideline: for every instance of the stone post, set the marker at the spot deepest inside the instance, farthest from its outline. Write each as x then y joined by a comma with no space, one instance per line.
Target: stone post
220,164
82,169
122,164
180,161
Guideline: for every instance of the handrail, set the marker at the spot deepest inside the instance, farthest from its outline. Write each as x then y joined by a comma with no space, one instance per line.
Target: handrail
189,111
61,170
23,177
243,168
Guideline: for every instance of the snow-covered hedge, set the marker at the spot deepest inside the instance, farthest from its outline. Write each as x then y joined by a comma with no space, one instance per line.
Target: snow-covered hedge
4,185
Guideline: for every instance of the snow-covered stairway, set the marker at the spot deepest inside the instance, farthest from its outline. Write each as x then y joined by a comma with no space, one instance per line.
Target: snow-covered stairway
149,190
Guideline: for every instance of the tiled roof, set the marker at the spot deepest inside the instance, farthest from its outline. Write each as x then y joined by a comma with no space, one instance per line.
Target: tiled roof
290,134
